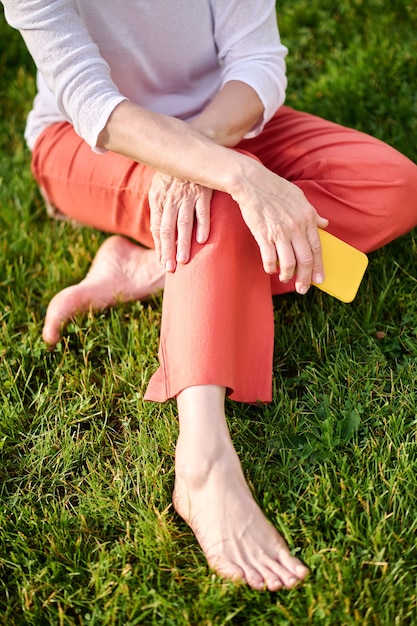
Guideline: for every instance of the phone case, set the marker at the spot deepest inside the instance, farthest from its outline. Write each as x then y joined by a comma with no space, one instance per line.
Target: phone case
344,267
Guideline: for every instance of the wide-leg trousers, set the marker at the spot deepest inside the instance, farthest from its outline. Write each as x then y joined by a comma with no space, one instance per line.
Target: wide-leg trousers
217,319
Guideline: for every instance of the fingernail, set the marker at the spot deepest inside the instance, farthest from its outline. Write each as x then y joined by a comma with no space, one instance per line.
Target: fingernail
170,266
318,278
285,280
303,290
182,257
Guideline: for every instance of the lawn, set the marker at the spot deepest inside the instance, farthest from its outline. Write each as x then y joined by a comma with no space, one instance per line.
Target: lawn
87,532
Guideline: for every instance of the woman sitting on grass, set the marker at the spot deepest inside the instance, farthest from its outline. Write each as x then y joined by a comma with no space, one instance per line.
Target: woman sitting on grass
163,122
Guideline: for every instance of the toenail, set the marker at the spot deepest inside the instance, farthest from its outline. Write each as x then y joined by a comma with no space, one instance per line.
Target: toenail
259,586
275,585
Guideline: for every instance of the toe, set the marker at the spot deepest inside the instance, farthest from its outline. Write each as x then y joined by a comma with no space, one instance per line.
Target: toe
63,307
50,334
228,570
287,577
255,579
246,573
274,585
293,565
272,581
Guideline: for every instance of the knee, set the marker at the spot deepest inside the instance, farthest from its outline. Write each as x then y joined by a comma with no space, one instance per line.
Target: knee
230,241
388,203
400,201
226,222
408,184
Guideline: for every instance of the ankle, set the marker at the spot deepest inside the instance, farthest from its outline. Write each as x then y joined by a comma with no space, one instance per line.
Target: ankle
196,462
204,443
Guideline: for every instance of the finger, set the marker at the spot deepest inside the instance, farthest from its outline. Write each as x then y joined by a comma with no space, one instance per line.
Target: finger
168,236
322,222
155,226
269,256
202,209
315,246
185,223
304,263
286,260
155,210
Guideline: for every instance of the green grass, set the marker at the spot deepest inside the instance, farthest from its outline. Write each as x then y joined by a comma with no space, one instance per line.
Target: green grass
87,532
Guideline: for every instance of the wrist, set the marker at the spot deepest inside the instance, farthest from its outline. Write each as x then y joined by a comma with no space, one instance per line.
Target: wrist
244,170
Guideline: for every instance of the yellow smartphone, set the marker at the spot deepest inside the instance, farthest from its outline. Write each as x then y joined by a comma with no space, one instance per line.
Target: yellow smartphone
344,267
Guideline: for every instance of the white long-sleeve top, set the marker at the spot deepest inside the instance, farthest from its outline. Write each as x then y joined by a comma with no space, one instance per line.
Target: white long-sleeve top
170,56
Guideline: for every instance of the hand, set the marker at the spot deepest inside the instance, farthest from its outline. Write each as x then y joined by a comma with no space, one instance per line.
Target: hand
174,205
284,225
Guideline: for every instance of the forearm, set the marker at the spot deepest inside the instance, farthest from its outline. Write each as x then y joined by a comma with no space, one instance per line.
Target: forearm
172,147
234,111
282,221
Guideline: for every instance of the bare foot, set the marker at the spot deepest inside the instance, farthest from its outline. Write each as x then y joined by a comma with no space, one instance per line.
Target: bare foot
212,496
121,271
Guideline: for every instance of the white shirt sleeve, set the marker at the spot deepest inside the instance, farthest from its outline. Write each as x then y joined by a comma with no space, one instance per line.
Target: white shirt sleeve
126,50
69,61
250,50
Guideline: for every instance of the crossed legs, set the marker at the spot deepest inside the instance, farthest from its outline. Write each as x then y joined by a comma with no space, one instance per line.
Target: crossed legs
211,493
226,349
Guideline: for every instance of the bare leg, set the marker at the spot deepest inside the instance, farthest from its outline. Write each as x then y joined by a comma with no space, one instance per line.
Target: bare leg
212,496
121,271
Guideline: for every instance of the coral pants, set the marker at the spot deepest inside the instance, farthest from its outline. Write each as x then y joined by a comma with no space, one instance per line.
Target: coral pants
217,321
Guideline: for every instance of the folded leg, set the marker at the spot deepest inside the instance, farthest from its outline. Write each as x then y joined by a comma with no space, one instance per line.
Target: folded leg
217,322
